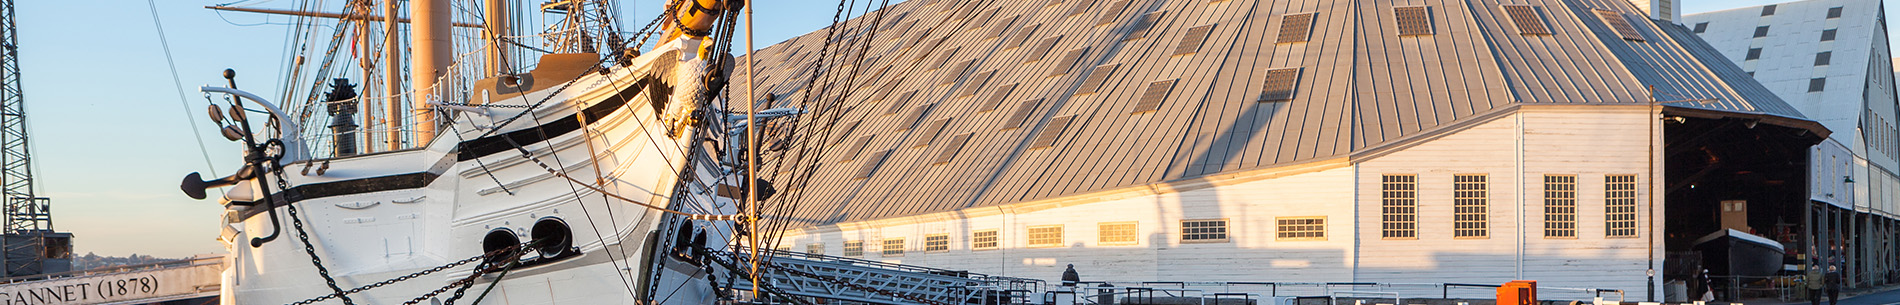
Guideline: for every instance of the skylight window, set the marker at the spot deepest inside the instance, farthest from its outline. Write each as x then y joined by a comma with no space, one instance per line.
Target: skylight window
1413,20
871,164
1152,98
1280,85
1021,116
898,104
1140,30
1051,132
1527,20
916,115
1113,12
929,132
1296,28
950,148
855,148
1620,24
1191,42
1096,77
996,98
1067,62
1041,49
975,83
956,71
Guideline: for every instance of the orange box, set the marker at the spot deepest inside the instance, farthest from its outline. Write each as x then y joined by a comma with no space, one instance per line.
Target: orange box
1518,293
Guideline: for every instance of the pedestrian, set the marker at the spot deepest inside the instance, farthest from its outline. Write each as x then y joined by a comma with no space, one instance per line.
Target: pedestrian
1833,283
1816,280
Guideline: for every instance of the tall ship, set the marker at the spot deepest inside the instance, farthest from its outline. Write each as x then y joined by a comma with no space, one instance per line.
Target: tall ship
428,152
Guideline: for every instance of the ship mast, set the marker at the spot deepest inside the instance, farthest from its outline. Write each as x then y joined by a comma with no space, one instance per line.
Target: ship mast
497,15
392,81
434,52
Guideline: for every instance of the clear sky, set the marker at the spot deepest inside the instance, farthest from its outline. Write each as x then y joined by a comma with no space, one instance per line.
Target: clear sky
110,136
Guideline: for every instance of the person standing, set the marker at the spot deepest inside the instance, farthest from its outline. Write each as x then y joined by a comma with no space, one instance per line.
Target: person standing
1816,281
1833,283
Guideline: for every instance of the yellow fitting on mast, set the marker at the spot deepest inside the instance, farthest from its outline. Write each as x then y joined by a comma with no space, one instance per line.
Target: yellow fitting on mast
695,18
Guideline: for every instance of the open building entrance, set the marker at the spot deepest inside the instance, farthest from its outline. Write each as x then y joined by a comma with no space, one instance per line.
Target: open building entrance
1739,219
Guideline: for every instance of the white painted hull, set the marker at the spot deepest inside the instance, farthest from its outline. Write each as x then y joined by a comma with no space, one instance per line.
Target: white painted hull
368,237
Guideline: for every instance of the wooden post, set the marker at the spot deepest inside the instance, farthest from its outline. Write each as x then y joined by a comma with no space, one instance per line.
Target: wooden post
434,52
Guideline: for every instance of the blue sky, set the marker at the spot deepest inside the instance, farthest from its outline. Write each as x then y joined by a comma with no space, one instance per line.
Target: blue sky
112,140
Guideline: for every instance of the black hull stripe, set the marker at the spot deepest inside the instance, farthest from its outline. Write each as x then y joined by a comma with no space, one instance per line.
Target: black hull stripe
467,150
483,147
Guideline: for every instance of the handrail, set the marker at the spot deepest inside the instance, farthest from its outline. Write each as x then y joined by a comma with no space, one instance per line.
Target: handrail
189,262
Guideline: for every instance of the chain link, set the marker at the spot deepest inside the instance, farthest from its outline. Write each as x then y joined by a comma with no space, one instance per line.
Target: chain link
481,105
408,276
283,185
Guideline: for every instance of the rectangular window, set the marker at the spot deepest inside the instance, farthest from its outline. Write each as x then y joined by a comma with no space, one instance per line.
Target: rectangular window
1041,49
1828,34
1117,233
1296,28
893,247
1051,132
1701,27
1045,236
1817,84
1620,205
915,116
929,133
1280,85
1398,205
1471,206
817,249
955,72
1022,36
1203,230
1560,206
1526,19
1761,31
1300,228
1152,97
1191,42
1768,10
1413,20
1824,58
973,84
1753,54
983,240
1834,12
1620,24
854,248
855,148
1111,12
937,243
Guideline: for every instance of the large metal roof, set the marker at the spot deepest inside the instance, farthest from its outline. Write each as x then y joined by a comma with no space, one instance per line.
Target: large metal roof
937,71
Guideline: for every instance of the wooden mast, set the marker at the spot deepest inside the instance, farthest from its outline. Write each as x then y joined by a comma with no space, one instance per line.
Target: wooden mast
392,81
498,21
434,53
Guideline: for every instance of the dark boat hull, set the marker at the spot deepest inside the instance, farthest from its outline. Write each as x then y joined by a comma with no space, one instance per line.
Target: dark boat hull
1736,253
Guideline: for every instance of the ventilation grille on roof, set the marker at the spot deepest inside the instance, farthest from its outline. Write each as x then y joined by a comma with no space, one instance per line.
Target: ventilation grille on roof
1062,66
916,115
1111,12
1021,116
1296,28
1280,84
1526,19
897,104
1151,98
1050,133
1620,24
870,164
929,132
1041,49
950,148
1140,30
1191,42
975,83
996,98
1096,78
851,153
1414,20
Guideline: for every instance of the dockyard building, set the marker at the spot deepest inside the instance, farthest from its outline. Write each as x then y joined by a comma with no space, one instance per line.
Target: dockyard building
1579,143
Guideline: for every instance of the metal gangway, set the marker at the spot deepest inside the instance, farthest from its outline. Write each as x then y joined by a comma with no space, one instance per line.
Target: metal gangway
856,280
132,284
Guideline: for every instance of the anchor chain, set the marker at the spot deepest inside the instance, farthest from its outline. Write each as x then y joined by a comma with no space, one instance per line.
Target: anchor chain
296,222
415,275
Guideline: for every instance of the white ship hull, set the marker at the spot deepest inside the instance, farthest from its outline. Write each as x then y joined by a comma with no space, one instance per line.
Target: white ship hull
375,217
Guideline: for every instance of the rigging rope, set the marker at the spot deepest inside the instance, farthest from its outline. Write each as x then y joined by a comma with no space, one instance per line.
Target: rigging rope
190,118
